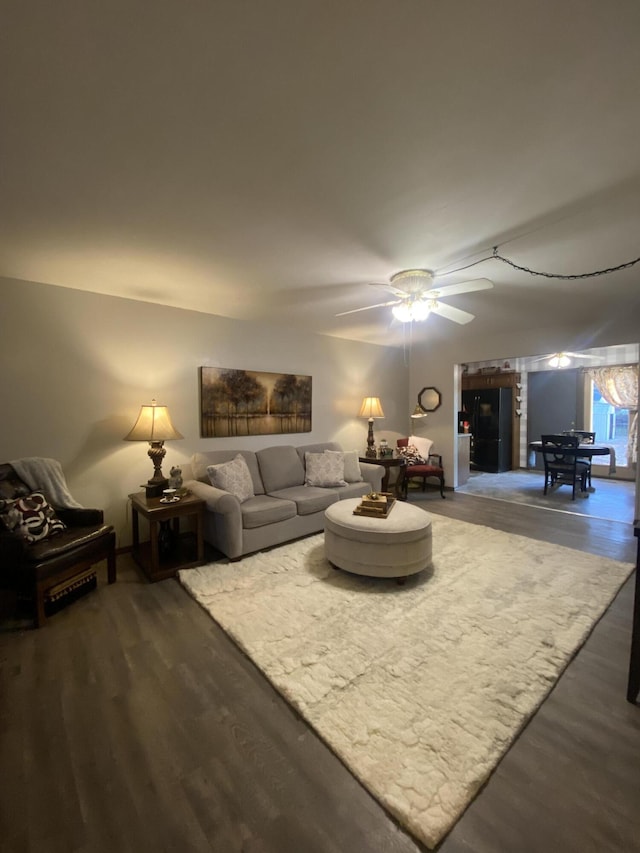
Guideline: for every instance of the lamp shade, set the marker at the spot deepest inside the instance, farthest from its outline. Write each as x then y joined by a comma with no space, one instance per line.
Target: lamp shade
371,408
153,424
418,412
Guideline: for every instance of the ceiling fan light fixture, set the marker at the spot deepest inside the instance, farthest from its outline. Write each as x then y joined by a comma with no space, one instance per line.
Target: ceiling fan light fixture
406,312
402,312
559,360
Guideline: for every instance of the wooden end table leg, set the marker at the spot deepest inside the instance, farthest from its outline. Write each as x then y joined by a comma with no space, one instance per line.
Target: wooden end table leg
111,560
199,535
135,530
155,557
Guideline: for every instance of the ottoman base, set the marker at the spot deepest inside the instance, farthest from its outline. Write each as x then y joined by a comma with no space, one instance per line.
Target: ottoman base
393,547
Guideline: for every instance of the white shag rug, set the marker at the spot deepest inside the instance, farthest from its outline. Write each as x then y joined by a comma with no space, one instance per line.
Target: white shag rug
419,689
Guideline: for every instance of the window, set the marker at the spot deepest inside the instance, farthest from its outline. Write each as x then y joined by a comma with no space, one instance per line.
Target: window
610,424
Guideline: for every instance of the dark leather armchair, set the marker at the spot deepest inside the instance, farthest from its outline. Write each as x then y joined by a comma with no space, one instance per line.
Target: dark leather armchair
35,568
422,470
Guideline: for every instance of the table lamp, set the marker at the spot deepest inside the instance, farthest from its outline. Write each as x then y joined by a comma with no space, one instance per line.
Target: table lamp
154,425
371,409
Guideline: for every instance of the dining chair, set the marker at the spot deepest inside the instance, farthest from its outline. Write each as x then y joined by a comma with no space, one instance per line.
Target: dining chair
585,437
561,463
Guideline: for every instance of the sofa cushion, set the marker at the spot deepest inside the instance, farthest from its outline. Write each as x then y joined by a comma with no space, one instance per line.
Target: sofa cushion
324,469
308,499
233,477
280,468
352,471
354,490
30,517
201,461
264,509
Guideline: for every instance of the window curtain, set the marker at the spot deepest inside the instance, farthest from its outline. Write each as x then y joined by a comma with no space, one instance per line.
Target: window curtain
619,387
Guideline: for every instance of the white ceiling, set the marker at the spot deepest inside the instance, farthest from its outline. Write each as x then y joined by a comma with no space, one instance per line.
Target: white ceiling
269,158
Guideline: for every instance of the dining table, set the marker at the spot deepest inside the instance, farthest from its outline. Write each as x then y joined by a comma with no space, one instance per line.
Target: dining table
584,451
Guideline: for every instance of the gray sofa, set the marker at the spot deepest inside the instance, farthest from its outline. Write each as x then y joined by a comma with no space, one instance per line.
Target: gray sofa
283,507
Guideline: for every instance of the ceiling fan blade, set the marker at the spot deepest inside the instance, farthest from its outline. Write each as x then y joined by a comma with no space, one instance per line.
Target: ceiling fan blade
403,294
368,307
463,287
451,313
578,355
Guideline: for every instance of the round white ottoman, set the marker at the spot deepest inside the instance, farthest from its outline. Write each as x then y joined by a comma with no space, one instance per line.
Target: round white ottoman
391,547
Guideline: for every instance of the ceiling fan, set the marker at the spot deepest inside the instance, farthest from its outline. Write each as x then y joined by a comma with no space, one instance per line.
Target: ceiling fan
562,359
417,298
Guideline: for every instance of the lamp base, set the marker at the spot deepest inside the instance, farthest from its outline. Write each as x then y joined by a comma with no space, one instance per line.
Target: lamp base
371,444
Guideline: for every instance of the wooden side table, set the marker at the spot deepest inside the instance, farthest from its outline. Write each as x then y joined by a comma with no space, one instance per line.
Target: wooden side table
157,562
387,463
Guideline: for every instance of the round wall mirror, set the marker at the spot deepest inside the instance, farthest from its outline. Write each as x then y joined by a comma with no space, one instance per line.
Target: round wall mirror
430,399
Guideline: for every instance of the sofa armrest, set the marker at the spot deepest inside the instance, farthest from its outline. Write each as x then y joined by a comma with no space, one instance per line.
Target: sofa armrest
372,474
225,513
217,500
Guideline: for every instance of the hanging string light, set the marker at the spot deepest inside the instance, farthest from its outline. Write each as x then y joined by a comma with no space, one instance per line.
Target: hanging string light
498,257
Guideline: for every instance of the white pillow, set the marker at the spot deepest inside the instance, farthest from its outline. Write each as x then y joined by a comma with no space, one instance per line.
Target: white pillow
233,476
322,469
423,445
352,472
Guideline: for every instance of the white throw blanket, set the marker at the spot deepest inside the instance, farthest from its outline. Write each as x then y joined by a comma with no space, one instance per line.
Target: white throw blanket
45,475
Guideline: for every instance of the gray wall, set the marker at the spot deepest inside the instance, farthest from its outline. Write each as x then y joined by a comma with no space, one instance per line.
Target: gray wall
77,366
552,401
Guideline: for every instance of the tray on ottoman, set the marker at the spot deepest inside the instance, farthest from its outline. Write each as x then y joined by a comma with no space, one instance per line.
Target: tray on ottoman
378,507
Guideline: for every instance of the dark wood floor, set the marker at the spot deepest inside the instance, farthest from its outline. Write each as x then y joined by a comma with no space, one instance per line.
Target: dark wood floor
132,723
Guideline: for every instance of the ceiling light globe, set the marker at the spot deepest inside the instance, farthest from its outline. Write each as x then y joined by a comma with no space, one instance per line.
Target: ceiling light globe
420,309
402,312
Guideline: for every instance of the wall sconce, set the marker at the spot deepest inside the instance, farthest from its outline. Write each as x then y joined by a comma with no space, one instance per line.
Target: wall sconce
371,409
154,425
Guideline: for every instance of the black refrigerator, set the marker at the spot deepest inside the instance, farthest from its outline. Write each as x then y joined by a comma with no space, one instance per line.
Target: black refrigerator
489,413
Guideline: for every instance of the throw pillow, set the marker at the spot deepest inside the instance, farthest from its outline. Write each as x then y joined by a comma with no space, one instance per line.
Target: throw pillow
424,445
411,454
31,517
324,469
233,477
352,472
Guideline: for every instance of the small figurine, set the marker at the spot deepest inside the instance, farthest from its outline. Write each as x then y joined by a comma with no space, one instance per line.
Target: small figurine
175,478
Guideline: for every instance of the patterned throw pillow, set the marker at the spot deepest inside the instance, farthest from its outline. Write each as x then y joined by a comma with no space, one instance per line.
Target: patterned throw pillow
31,517
423,445
352,472
324,469
234,477
410,453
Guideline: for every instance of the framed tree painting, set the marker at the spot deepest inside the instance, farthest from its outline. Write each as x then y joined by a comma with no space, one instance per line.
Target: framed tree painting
251,402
